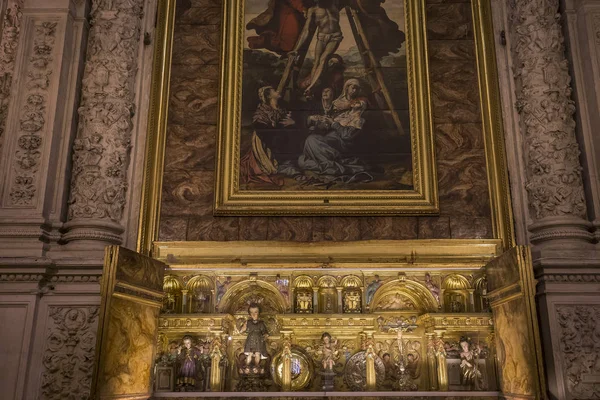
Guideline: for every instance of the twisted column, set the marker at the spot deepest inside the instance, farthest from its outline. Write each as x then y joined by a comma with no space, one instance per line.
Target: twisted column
101,148
553,172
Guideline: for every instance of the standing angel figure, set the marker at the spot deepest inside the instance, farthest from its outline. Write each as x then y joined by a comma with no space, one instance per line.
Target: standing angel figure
256,342
328,351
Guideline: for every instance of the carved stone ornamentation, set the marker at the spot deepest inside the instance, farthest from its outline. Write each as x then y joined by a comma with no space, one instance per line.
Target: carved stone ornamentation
68,359
580,348
11,27
101,148
32,120
597,28
553,171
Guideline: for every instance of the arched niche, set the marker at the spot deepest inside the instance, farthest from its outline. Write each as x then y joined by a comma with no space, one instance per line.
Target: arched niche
241,294
201,293
414,292
172,287
457,294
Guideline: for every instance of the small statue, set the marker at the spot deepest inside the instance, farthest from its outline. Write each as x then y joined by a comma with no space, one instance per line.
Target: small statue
433,288
169,303
282,285
255,348
469,357
352,301
188,357
304,302
372,288
328,352
328,304
201,298
222,288
456,306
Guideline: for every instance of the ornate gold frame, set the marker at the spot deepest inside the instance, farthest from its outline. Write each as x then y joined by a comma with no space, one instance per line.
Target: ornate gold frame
230,200
502,220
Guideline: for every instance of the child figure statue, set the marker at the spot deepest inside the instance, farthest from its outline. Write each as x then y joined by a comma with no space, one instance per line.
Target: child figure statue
256,343
328,351
188,357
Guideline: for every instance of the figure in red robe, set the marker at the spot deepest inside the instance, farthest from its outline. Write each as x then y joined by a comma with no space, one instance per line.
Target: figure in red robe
278,27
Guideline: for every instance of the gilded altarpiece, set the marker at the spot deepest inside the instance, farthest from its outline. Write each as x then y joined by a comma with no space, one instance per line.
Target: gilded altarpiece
325,302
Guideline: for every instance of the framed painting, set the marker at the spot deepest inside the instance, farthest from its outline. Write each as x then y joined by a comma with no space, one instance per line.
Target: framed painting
325,109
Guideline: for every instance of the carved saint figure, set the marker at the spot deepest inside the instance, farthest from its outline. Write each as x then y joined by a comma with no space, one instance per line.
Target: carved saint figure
372,288
255,348
435,290
222,288
188,357
328,351
469,356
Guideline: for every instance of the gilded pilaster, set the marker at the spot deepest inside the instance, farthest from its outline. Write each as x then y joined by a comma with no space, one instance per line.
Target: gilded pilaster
554,185
101,149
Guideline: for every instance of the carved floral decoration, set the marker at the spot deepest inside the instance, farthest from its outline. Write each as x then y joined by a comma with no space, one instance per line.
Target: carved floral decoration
101,149
32,120
580,348
554,182
11,27
69,356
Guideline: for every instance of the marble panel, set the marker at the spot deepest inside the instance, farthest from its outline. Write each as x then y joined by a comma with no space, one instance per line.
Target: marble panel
253,228
173,228
196,44
187,193
450,21
470,228
346,228
434,228
198,12
213,228
322,229
190,147
193,98
463,186
388,228
453,139
296,229
454,84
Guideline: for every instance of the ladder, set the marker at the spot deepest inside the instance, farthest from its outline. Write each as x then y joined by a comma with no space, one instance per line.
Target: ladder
372,69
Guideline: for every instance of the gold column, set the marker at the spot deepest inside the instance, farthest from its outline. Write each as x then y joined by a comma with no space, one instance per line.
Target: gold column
340,308
216,355
442,366
370,355
286,375
432,361
316,300
184,298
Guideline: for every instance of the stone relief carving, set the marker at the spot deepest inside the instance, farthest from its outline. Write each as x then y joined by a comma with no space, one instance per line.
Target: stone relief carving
580,347
101,149
597,28
32,118
554,182
11,26
69,355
